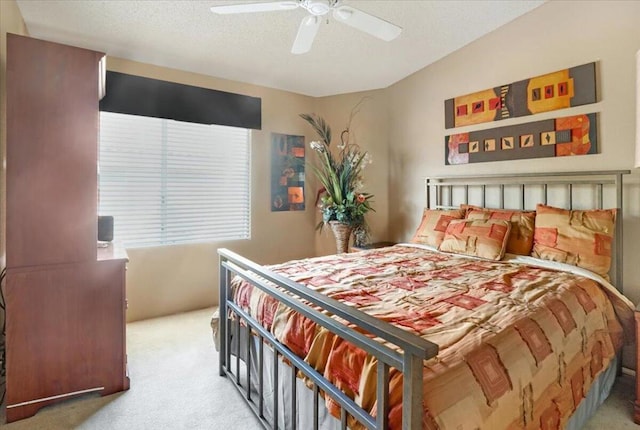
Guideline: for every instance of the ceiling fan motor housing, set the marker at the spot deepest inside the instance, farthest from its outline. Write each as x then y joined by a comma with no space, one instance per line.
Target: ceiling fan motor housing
318,7
310,24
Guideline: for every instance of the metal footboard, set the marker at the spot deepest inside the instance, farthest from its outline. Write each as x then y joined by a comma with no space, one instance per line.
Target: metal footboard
304,301
441,192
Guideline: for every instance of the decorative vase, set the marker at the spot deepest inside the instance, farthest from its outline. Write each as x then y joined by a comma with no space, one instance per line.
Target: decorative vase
342,233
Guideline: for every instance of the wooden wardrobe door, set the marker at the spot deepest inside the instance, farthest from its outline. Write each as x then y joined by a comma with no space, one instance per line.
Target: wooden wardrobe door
52,144
66,332
65,310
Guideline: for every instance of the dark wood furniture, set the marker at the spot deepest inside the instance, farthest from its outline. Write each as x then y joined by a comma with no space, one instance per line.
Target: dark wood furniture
373,245
65,300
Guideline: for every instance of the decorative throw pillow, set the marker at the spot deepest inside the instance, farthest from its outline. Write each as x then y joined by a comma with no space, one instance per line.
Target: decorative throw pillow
522,226
582,238
477,237
433,225
468,208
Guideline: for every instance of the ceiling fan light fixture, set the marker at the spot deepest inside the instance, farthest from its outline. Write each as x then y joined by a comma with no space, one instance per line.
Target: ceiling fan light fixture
318,7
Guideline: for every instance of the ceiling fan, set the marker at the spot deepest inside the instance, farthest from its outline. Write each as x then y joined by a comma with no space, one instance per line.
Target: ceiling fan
318,9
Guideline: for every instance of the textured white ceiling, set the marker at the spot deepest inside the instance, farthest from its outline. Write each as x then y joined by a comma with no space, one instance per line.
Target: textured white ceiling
255,48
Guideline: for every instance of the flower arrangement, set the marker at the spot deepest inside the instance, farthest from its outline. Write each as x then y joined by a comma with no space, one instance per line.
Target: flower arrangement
340,175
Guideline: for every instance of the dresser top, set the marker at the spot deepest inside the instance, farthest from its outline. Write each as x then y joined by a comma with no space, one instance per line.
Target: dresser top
112,251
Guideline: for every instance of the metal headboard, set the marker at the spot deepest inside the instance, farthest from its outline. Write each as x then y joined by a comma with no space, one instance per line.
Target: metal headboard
440,194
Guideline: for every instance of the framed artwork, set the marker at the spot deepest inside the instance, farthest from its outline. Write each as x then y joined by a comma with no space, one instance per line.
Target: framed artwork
572,135
558,90
287,172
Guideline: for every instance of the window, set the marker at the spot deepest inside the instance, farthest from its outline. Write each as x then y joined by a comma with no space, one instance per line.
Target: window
169,182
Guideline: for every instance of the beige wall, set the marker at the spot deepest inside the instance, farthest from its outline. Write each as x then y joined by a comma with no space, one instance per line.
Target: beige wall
170,279
557,35
369,129
10,22
402,127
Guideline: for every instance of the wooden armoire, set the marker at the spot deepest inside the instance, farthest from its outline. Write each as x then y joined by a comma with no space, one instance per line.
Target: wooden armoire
65,299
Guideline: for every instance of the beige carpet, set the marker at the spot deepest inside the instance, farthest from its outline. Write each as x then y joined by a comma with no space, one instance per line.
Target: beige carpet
175,385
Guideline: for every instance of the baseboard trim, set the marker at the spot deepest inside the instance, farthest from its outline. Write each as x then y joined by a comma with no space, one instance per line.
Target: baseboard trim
59,396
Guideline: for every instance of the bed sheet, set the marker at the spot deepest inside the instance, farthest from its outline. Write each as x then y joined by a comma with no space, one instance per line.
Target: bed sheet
519,345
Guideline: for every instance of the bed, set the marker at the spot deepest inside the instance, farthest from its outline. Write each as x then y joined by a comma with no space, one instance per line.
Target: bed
419,336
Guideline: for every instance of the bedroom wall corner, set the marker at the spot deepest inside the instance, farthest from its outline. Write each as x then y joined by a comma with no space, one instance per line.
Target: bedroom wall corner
552,37
370,130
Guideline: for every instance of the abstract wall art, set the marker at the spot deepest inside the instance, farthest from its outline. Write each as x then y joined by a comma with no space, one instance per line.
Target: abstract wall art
573,135
558,90
287,172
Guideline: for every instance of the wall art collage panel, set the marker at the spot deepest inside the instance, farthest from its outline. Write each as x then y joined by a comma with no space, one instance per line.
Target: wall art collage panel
574,135
287,172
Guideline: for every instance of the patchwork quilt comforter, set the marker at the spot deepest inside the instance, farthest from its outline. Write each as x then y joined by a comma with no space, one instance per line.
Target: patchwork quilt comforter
520,345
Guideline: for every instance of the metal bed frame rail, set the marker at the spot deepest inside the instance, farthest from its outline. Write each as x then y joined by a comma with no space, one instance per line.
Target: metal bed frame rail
440,190
317,308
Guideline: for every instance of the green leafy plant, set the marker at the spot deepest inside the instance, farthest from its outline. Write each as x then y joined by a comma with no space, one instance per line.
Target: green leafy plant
340,174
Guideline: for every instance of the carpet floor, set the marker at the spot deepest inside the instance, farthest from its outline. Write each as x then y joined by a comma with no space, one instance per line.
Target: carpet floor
174,385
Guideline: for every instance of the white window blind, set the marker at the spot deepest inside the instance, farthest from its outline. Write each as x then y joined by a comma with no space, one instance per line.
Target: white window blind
170,182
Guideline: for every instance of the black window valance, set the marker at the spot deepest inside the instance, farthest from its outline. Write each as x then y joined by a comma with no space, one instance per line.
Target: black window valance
137,95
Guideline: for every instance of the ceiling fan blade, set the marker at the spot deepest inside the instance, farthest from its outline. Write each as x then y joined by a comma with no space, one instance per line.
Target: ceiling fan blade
368,23
255,7
306,34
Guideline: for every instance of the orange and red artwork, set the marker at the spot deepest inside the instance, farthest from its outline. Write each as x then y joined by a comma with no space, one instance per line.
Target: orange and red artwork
287,172
572,135
296,195
558,90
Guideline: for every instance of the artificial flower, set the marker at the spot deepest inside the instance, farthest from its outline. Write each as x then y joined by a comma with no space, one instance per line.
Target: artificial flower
340,176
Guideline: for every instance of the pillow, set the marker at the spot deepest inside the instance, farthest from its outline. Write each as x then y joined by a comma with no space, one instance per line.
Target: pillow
582,238
522,225
468,208
477,237
433,225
